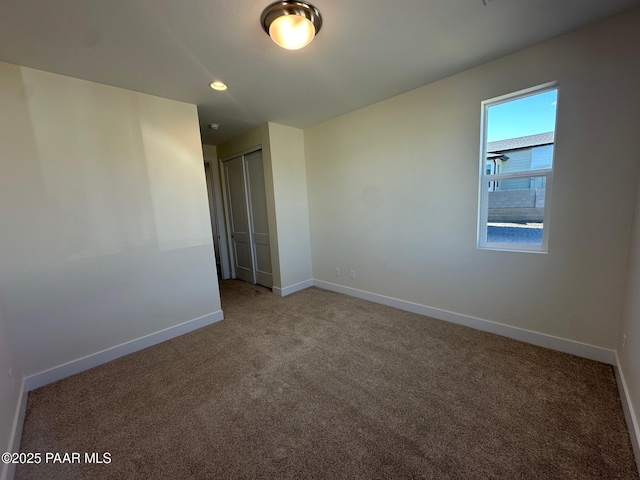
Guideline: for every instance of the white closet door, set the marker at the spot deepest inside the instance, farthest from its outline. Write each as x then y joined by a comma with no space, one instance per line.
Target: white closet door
248,221
259,221
239,220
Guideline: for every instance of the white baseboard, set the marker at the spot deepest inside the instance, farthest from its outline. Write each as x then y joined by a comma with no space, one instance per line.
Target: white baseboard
283,292
629,412
9,470
540,339
85,363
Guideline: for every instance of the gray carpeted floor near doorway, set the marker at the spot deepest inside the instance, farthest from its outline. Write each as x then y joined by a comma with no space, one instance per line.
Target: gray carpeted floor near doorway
321,385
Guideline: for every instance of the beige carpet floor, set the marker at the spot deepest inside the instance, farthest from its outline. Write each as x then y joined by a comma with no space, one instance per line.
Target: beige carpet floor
321,385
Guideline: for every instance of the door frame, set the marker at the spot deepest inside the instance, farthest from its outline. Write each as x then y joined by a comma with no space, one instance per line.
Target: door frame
225,197
217,213
215,230
259,275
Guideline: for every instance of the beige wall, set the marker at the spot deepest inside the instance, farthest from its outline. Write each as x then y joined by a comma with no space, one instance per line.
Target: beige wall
393,191
290,190
103,203
9,394
629,354
209,151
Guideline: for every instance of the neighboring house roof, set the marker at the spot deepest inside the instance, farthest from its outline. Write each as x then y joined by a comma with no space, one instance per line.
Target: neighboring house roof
521,142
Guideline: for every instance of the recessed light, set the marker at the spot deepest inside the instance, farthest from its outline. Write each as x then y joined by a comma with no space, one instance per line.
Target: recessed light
218,85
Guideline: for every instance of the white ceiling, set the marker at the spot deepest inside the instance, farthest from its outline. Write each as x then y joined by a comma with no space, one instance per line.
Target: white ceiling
367,50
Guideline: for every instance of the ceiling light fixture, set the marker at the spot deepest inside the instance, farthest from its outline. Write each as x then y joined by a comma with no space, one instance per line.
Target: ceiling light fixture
292,25
217,85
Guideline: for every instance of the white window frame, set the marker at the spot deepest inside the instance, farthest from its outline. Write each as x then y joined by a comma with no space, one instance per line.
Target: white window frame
483,185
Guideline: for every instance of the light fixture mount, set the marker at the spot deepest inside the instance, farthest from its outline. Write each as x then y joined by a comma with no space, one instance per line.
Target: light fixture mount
291,24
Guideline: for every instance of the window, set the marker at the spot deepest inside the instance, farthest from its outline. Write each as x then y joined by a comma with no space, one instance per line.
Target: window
516,169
